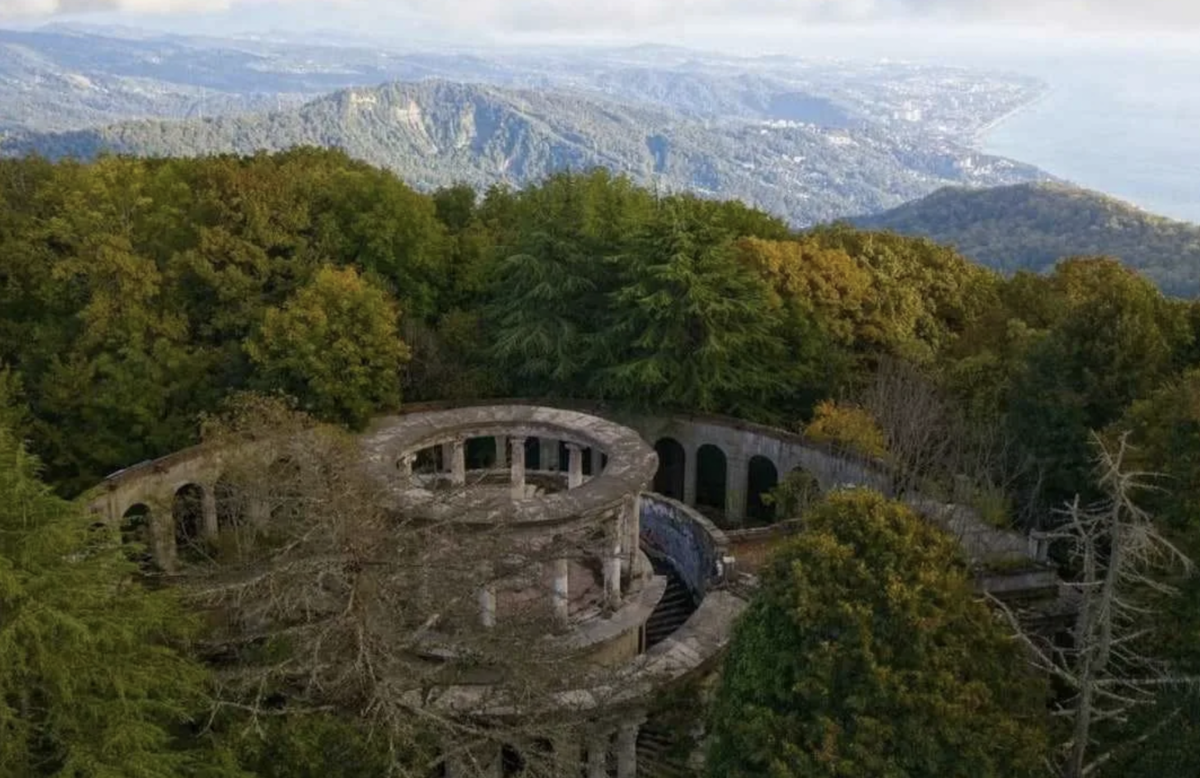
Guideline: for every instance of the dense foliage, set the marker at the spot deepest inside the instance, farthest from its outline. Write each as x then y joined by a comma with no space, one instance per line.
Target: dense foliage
94,680
137,296
866,652
1032,226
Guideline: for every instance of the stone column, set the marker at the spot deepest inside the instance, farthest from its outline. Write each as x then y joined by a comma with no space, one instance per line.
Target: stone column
574,466
612,563
458,462
258,511
568,755
560,590
597,756
518,467
736,481
627,734
208,502
487,605
162,540
501,452
689,477
447,457
633,536
406,466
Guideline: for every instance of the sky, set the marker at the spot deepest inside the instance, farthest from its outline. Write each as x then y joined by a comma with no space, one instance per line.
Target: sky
632,17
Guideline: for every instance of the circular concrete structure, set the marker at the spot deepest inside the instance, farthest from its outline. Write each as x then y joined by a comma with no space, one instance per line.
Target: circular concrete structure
629,580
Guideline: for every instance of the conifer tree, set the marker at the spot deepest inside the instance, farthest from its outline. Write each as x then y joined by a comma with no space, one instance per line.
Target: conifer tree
690,326
92,683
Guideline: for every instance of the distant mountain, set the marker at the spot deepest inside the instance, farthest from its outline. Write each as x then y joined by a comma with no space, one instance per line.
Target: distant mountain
1031,226
434,133
67,77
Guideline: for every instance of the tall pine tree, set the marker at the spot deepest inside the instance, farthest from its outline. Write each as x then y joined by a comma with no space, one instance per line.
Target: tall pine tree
691,326
91,685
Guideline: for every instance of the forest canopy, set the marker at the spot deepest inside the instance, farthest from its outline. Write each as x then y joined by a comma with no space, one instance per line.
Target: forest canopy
138,297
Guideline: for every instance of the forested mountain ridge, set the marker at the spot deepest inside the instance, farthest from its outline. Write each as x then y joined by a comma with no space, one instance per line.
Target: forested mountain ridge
1032,226
67,77
434,133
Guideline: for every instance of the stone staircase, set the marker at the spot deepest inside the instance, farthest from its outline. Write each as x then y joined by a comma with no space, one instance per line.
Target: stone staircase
660,754
672,610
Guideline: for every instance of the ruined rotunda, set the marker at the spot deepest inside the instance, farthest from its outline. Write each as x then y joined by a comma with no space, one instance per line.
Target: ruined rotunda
608,537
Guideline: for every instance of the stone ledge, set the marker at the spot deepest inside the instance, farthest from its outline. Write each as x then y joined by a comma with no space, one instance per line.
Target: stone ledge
631,462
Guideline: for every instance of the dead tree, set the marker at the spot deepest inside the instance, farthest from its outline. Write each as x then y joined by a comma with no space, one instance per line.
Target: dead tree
324,600
932,446
1115,549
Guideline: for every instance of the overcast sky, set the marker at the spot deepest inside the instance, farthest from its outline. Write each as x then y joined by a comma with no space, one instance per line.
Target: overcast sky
576,16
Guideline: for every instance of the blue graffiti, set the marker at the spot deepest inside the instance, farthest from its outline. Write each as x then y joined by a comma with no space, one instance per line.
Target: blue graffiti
668,530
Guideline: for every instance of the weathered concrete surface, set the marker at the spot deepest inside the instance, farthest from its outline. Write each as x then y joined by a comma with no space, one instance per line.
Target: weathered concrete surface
631,463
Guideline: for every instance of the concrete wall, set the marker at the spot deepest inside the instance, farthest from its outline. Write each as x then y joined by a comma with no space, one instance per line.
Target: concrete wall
692,544
740,442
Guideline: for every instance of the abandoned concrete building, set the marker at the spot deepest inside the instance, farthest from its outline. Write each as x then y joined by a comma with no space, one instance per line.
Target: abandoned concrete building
656,509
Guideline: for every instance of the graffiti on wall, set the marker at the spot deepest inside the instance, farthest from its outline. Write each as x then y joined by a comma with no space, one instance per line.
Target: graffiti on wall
669,531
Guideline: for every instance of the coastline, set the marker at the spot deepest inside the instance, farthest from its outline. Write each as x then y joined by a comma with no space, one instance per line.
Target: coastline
978,137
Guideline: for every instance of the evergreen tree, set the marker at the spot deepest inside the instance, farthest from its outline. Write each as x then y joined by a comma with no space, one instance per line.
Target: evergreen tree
689,325
92,684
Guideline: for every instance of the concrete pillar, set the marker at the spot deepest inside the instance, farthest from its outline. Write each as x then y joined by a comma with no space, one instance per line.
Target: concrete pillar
406,466
162,540
689,477
447,457
549,454
633,536
597,756
258,512
612,563
560,590
208,502
487,605
574,466
501,452
518,467
736,481
458,463
568,755
627,734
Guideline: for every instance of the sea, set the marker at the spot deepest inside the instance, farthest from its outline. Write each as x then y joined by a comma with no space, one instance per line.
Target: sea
1126,124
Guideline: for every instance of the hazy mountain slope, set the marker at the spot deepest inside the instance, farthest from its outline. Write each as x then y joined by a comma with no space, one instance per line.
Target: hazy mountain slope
434,133
1031,226
64,77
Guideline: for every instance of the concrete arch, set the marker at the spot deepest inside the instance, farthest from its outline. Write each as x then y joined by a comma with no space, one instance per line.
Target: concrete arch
712,477
761,477
135,523
671,478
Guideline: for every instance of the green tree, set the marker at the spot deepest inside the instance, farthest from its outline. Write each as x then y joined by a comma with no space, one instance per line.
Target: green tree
1116,339
866,652
335,346
690,326
548,294
92,684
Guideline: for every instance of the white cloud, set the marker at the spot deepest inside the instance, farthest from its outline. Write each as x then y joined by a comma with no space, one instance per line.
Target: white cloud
592,15
33,8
